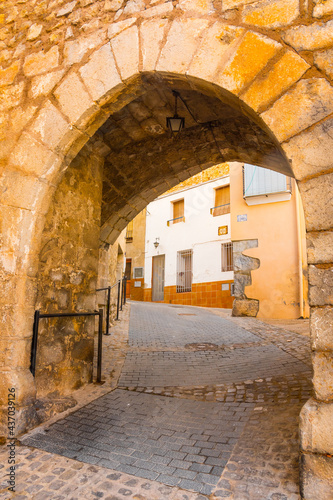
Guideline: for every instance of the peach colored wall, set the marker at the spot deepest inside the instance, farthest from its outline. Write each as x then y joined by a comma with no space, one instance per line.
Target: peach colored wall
276,283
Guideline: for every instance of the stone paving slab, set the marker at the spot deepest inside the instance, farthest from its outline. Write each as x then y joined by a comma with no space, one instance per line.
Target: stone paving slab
161,369
174,441
46,476
161,325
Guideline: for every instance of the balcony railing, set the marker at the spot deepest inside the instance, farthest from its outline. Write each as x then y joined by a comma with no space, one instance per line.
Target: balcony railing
220,210
176,220
129,235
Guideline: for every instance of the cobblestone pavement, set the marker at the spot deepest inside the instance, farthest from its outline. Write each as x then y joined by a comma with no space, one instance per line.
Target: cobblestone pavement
233,434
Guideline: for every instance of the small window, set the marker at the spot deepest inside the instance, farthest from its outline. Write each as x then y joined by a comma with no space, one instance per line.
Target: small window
222,201
138,272
184,271
129,231
178,212
227,258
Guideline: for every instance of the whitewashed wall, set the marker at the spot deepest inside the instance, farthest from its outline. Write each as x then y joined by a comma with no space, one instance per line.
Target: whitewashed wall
199,232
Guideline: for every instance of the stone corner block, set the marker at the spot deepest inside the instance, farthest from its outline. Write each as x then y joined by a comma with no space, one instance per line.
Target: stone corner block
316,421
316,473
245,307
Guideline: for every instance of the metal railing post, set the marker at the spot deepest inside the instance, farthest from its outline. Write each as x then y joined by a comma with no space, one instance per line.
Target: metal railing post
125,289
108,311
118,300
99,346
122,294
34,343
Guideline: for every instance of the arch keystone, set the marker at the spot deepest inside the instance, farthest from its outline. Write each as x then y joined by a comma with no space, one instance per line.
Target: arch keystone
126,51
151,34
100,74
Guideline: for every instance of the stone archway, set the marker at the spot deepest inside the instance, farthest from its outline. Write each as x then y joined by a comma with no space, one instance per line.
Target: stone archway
67,100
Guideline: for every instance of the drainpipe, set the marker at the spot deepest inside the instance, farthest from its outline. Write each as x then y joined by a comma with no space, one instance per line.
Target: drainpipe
300,252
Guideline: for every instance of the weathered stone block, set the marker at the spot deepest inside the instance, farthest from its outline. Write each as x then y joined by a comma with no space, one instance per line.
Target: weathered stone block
42,85
321,323
240,282
232,4
316,474
316,427
251,56
23,382
73,98
67,9
184,33
113,5
34,31
219,40
311,152
134,6
50,125
200,6
75,50
152,34
312,37
245,307
117,28
320,247
41,62
32,157
315,193
11,96
268,87
321,285
322,8
7,76
100,74
313,98
245,263
126,51
324,61
270,14
323,375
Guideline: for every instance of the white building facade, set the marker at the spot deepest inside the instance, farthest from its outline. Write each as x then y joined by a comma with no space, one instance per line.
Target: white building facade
188,250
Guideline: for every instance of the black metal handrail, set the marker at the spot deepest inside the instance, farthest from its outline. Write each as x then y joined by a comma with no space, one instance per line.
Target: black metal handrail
39,315
119,301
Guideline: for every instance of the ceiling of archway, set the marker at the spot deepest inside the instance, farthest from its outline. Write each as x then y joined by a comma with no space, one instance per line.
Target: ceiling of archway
142,160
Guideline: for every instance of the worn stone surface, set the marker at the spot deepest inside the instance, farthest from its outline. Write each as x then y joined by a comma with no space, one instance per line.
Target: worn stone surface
321,328
316,476
316,423
313,37
245,307
320,247
313,109
267,88
271,14
41,62
311,151
323,60
252,54
322,8
320,282
323,375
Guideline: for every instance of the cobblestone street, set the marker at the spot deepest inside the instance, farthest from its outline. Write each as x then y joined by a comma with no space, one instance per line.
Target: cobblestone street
195,404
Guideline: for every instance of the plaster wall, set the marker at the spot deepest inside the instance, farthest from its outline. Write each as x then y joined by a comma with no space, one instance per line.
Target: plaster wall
276,282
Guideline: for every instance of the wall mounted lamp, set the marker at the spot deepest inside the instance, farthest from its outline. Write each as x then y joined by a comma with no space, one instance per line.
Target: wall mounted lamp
156,242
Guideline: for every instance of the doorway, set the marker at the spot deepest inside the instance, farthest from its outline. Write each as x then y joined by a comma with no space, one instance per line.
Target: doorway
158,278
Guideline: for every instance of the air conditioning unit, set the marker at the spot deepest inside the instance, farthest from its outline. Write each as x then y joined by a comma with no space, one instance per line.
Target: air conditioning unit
138,272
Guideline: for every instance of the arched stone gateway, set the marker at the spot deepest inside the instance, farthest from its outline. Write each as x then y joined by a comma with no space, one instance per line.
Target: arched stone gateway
87,73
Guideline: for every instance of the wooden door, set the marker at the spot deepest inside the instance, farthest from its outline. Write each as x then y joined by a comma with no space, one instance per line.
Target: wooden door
158,278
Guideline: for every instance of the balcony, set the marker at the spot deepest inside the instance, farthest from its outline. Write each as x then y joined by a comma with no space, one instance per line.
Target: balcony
176,220
129,235
220,210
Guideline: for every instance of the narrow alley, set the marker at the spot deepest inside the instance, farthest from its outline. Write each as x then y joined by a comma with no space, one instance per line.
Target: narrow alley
196,404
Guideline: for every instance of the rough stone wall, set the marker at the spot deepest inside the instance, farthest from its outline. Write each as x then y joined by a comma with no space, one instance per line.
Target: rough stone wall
243,266
67,279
